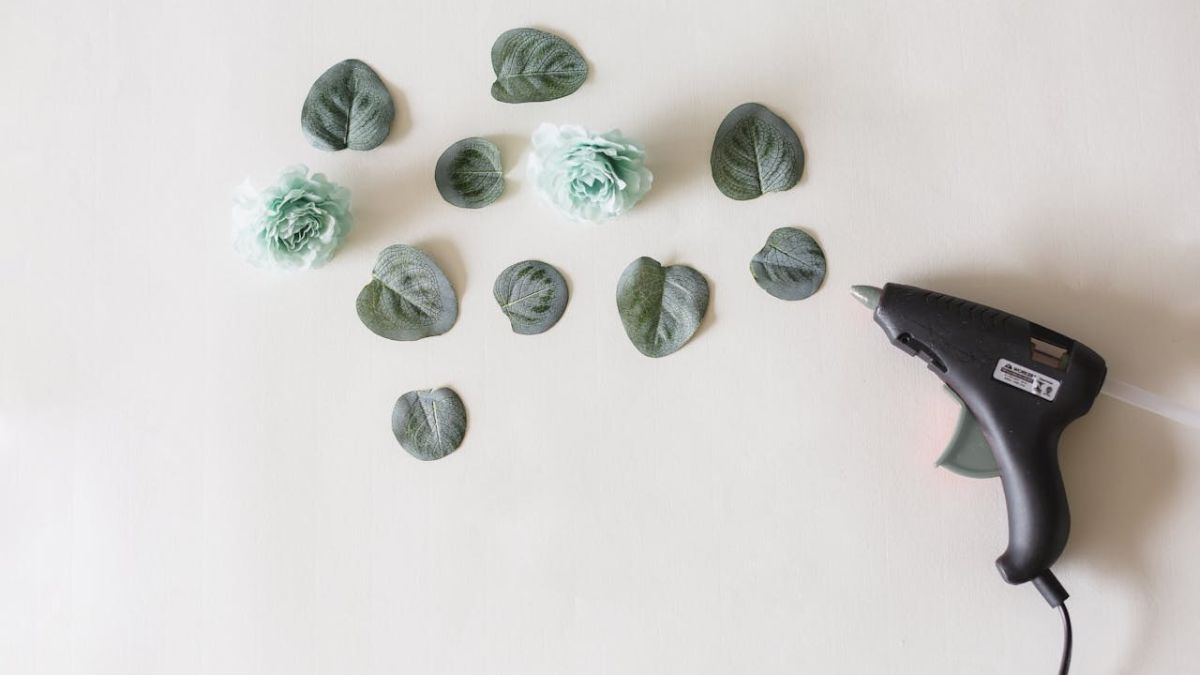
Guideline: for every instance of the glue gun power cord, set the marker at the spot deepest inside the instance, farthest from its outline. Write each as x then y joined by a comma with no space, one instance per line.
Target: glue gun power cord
1054,593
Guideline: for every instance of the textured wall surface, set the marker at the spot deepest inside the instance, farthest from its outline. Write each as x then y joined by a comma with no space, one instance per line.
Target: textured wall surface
197,470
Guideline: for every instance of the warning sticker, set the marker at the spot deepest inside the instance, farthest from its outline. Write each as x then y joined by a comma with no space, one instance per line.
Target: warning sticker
1023,378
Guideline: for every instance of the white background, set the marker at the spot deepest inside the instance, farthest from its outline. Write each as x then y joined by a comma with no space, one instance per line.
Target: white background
197,471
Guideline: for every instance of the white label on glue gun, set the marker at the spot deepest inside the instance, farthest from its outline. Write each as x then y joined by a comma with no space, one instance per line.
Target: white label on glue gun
1023,378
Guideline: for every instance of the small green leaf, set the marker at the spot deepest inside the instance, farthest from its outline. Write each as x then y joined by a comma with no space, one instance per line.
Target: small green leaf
347,107
791,266
429,424
660,307
755,152
533,65
469,173
409,298
533,295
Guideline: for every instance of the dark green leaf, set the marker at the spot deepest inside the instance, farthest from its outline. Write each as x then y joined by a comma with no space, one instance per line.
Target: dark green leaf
533,295
347,107
533,65
429,424
469,173
409,298
660,307
791,266
755,152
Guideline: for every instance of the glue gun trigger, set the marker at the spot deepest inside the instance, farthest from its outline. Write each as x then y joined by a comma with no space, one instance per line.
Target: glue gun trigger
968,453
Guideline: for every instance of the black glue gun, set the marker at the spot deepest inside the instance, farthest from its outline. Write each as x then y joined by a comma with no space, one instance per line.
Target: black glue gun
1020,385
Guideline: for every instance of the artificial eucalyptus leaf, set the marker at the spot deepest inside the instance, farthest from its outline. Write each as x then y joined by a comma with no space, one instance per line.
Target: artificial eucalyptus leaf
790,266
533,65
532,294
660,307
347,107
409,297
469,173
755,152
429,424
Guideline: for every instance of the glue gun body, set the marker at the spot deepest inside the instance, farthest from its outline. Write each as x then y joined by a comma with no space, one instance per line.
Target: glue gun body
1024,384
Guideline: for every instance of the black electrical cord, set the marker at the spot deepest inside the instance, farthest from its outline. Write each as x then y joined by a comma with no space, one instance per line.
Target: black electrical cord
1054,593
1065,664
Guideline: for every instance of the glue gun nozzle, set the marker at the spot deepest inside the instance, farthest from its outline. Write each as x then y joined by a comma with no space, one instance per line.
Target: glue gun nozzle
867,295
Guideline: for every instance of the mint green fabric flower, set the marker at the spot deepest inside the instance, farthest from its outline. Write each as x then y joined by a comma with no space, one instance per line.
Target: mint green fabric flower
587,176
297,223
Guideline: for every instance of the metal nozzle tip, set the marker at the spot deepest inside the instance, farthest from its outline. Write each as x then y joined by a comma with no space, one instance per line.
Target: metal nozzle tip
867,295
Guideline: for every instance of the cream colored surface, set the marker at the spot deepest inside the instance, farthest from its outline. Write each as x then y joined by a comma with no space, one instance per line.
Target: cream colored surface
197,473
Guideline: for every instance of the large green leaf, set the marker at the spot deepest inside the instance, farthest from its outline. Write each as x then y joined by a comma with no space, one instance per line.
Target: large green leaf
347,107
409,297
791,266
469,173
429,424
660,307
755,152
532,294
533,65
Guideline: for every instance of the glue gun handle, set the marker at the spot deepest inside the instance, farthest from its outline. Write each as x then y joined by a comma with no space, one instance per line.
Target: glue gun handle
1039,519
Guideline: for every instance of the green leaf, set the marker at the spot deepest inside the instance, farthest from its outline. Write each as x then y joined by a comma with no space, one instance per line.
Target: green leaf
533,65
469,174
660,307
429,424
533,295
409,298
791,266
755,152
347,107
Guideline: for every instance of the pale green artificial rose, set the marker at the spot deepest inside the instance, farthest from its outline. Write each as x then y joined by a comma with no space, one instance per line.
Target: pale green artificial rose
589,177
297,223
